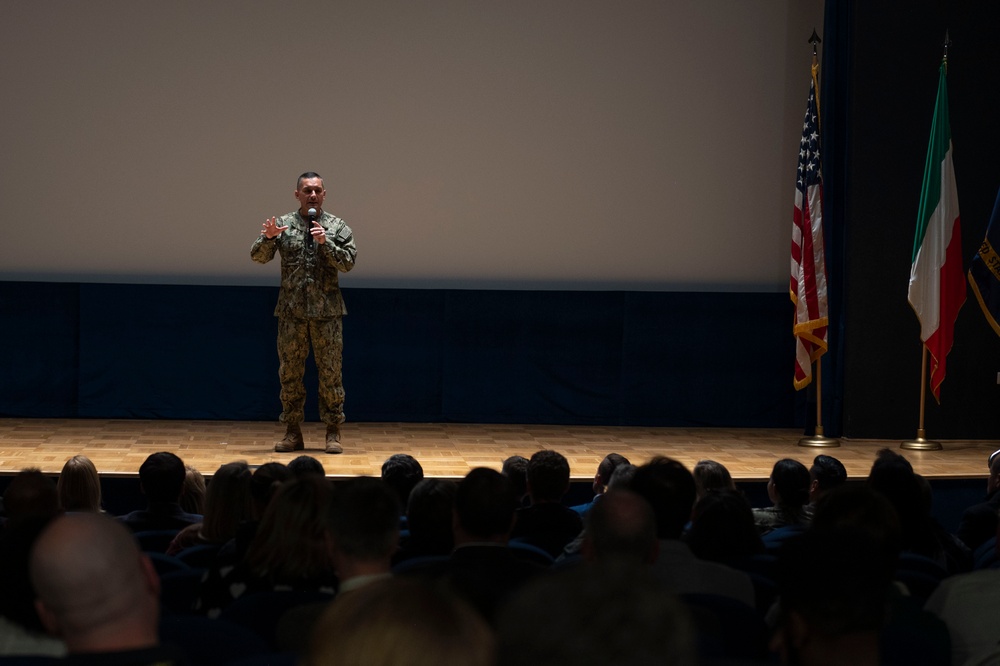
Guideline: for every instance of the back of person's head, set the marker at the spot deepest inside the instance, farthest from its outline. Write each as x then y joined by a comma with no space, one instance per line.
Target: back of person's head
227,501
621,527
548,476
429,513
79,485
607,467
858,507
193,491
364,519
723,529
892,475
95,588
264,483
401,472
515,468
162,477
826,473
30,493
622,476
596,614
829,587
304,465
400,622
293,539
669,488
711,475
484,504
790,480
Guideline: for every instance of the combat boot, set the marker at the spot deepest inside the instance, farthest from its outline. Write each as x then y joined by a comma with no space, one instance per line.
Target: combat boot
293,440
333,439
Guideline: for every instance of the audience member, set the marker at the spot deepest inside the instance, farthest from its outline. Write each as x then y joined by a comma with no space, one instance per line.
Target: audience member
723,530
79,486
29,494
621,528
788,489
546,523
711,475
669,488
290,550
515,468
227,505
596,614
400,622
979,521
429,517
402,472
264,483
161,478
305,464
98,592
892,475
825,474
193,491
602,478
833,598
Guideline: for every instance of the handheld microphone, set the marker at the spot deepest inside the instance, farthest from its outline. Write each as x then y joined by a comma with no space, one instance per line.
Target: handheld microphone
312,218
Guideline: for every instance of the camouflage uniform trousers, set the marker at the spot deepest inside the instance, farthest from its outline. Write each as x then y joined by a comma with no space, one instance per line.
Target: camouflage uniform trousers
327,336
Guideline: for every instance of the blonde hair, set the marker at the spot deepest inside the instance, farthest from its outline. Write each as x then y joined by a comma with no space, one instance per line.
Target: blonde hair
79,486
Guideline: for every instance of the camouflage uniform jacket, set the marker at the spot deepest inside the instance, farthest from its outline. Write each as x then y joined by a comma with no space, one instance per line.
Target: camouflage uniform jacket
309,285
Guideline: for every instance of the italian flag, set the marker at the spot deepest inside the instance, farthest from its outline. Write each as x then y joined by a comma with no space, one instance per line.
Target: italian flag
937,280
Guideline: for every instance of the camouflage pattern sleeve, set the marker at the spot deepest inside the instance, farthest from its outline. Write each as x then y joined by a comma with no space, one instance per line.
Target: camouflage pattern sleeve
339,250
262,250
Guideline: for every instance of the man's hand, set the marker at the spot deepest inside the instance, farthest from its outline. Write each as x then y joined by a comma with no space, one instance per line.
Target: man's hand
271,228
318,232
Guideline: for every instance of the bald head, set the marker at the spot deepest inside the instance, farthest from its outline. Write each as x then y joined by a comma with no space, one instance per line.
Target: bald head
95,588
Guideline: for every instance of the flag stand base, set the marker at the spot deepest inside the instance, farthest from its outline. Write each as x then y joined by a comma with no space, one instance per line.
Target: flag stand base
818,441
921,444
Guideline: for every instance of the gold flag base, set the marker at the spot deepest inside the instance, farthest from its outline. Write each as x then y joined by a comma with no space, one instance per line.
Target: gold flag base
818,441
921,444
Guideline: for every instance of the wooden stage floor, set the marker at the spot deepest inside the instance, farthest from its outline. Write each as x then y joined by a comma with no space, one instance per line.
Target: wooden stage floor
119,446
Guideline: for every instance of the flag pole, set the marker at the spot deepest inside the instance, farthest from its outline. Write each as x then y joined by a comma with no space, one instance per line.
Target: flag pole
818,440
920,443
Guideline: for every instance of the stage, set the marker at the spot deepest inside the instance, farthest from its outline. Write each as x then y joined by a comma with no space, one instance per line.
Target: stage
119,446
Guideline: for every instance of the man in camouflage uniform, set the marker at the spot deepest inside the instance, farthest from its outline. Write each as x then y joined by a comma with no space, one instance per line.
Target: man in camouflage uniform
313,247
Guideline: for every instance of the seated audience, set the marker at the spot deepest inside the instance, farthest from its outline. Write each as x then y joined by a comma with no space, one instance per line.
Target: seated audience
788,489
515,468
429,517
306,464
264,483
601,480
161,478
193,491
291,549
400,622
825,474
711,475
227,505
596,614
79,486
30,493
723,530
546,523
402,472
98,592
669,488
621,528
979,521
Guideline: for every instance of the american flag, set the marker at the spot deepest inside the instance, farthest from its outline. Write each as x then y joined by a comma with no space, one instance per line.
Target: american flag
808,279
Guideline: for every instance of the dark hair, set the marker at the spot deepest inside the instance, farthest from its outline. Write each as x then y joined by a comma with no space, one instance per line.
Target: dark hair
711,475
429,513
401,472
227,501
723,529
304,465
515,468
669,488
30,493
608,466
828,472
548,476
484,503
306,175
364,518
791,482
162,477
265,482
622,527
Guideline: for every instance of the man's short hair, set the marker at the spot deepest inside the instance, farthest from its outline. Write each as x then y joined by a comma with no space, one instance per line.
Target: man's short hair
303,465
515,468
622,527
548,476
29,493
669,488
484,503
402,472
364,518
828,472
162,477
608,466
307,175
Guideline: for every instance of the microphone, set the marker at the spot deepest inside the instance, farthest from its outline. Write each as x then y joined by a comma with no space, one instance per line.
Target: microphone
312,218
